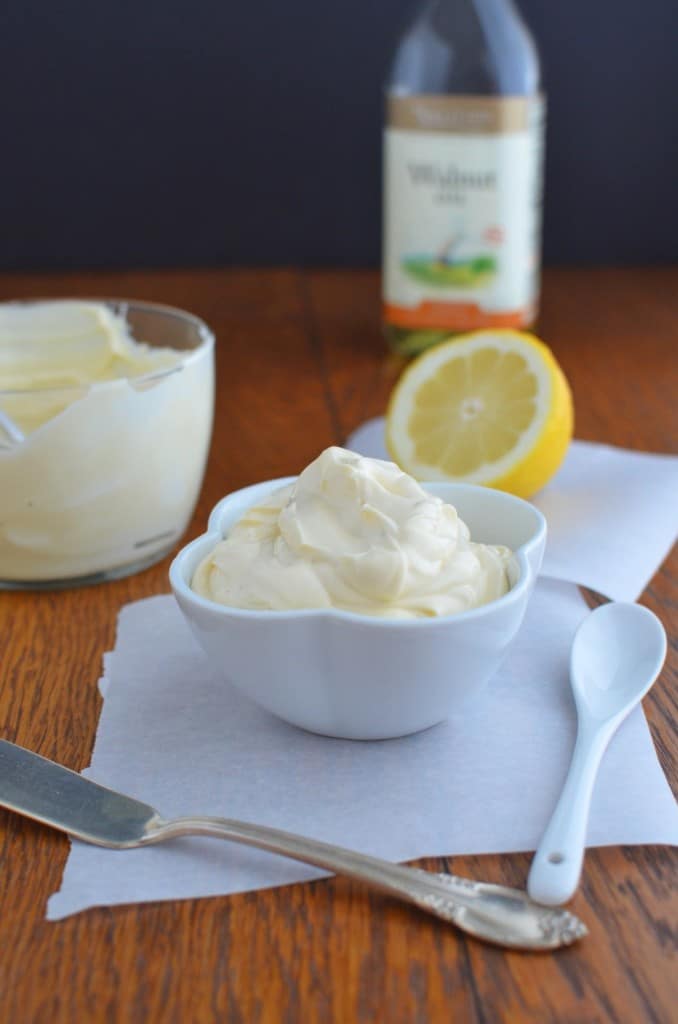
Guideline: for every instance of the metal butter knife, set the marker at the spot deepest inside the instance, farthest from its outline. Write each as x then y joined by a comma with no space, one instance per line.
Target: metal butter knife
40,789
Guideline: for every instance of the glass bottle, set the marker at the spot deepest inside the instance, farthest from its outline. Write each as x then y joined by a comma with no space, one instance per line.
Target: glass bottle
463,153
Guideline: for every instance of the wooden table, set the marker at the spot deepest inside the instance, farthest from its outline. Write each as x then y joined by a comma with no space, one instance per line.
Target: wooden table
300,363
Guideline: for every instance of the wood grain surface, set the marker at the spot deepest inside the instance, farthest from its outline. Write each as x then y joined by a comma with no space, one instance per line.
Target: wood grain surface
300,363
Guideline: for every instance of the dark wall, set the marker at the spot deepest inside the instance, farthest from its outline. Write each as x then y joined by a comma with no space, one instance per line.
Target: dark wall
221,131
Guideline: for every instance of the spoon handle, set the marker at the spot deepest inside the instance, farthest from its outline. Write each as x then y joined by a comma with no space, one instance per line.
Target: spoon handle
557,864
10,428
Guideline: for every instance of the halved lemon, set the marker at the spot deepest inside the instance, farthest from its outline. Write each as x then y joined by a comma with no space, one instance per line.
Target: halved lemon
492,407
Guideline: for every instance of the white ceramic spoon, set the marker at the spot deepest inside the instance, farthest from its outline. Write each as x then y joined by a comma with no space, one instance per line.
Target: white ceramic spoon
617,654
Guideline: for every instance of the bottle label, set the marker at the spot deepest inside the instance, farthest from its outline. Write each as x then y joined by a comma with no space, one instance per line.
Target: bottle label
462,211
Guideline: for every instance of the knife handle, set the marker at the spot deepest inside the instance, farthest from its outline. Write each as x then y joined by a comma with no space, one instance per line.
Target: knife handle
494,913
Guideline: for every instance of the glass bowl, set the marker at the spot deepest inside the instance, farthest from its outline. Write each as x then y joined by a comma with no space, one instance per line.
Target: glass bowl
100,481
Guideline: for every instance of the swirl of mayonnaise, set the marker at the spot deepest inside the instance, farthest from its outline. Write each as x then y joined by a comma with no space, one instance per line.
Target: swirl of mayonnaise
49,350
357,534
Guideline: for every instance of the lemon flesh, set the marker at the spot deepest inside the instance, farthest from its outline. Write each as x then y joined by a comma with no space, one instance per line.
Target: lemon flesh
492,407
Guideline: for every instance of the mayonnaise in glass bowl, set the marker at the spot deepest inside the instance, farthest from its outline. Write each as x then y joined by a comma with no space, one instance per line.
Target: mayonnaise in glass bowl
99,478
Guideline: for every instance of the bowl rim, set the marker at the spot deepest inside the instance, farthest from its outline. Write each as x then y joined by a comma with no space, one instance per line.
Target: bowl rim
187,596
119,307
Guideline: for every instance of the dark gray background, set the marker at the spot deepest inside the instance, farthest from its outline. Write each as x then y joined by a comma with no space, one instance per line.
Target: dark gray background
224,132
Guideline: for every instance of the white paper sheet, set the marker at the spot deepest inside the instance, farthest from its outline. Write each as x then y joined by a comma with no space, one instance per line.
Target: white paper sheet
612,514
177,737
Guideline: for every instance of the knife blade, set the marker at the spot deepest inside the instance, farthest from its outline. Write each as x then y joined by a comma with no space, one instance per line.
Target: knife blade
49,793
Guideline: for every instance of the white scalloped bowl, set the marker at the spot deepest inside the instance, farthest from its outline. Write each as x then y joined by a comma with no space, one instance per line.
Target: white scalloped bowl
356,676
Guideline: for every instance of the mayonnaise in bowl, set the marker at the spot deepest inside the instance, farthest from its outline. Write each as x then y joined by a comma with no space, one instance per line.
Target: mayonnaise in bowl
108,435
407,663
356,534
